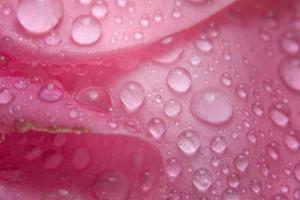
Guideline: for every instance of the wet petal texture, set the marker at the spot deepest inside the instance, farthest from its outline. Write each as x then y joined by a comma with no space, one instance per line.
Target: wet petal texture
94,28
220,101
44,166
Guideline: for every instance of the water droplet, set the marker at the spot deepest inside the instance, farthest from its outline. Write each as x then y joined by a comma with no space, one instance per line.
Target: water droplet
204,45
241,162
173,168
257,109
86,30
168,50
172,108
289,71
231,194
297,171
50,93
279,197
38,16
6,97
85,2
279,113
51,159
218,144
52,39
273,151
226,80
202,179
195,59
81,158
156,127
179,79
291,140
95,98
112,185
147,180
188,142
132,96
289,43
296,193
100,9
212,106
255,186
32,152
122,3
241,91
4,60
233,180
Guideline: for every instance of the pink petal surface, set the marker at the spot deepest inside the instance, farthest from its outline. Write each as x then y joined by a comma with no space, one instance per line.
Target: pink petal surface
219,101
71,29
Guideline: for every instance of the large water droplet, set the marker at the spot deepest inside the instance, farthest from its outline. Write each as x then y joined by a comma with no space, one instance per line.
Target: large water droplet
95,98
202,179
218,144
38,16
289,71
204,45
112,185
6,96
289,43
188,142
50,92
212,106
86,30
156,127
179,79
132,96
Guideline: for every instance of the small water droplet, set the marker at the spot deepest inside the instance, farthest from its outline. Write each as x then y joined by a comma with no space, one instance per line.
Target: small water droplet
241,162
218,144
173,168
226,80
81,158
50,93
179,79
241,91
121,3
172,108
257,109
147,180
47,14
188,142
132,96
289,43
273,151
51,159
212,106
6,97
112,185
233,180
157,127
53,39
231,194
256,186
100,9
291,140
204,45
279,113
86,30
202,179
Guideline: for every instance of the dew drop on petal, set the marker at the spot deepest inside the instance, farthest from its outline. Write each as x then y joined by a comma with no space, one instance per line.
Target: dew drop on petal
6,96
241,162
51,159
81,158
179,79
218,144
86,30
173,168
95,98
279,113
50,93
147,180
132,96
212,106
38,16
172,108
112,185
204,45
202,179
188,142
99,10
289,71
291,140
156,127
